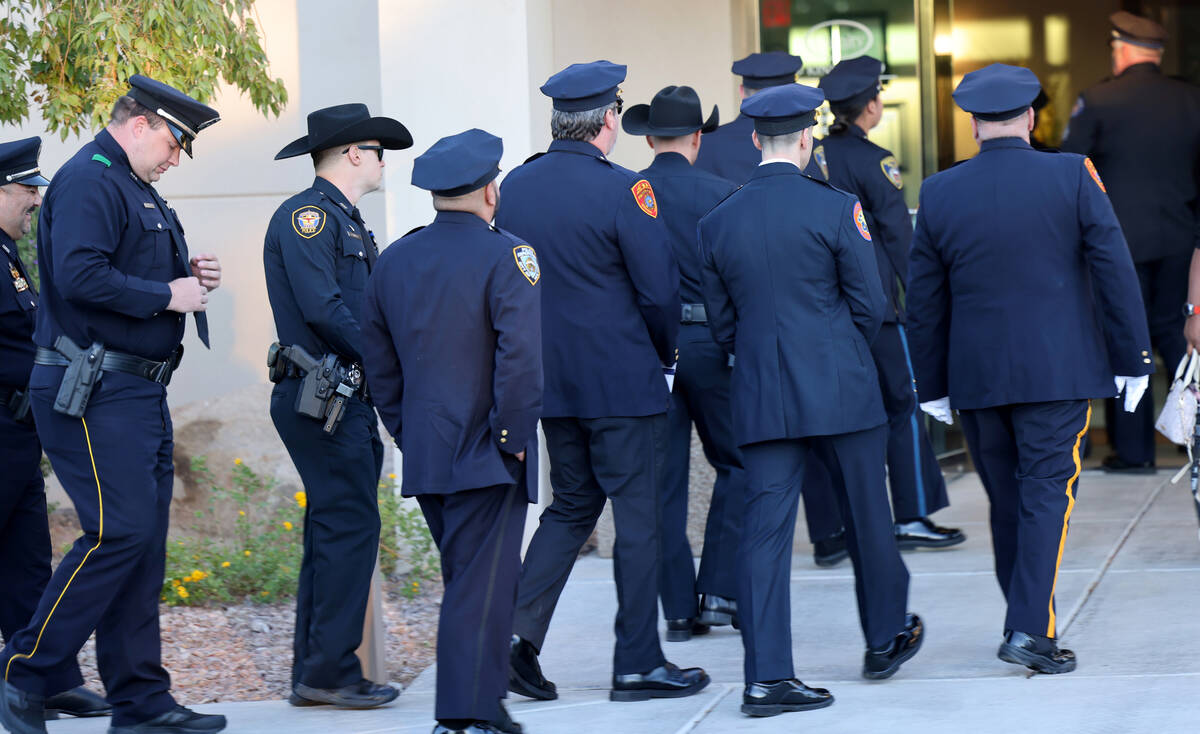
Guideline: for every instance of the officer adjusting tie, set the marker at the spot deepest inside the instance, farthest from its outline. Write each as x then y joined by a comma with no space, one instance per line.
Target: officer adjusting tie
372,248
181,248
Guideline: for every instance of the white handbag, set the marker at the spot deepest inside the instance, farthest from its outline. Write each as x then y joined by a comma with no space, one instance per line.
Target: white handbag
1177,420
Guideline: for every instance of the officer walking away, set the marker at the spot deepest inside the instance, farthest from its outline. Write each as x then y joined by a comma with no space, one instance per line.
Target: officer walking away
791,284
452,343
610,319
673,123
25,552
1022,306
851,162
117,282
728,151
317,256
1142,130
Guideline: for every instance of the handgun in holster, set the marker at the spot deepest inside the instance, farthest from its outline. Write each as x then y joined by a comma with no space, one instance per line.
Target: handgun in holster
80,377
325,387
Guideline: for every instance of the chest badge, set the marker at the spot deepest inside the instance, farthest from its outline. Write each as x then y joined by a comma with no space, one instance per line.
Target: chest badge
527,263
891,169
308,221
819,156
18,282
860,221
1091,169
643,193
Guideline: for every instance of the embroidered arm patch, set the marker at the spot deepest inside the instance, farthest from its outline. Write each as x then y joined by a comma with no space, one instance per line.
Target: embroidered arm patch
1091,169
643,194
527,263
308,221
860,221
891,169
819,156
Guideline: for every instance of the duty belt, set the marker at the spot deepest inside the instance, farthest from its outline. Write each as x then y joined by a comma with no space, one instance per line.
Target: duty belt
694,313
159,372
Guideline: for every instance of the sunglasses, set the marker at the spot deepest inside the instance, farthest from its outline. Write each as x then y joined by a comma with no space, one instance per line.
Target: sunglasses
377,148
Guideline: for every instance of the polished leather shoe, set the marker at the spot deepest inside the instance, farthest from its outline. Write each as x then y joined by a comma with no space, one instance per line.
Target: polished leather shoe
1036,653
361,695
179,720
505,723
884,662
717,611
829,552
78,702
681,630
923,533
1114,464
772,699
478,727
21,712
299,701
525,674
666,681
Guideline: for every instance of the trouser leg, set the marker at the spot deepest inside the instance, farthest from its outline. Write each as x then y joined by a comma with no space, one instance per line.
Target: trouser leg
677,584
989,436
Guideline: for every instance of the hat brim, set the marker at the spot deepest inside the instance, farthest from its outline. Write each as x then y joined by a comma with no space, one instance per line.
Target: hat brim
636,121
390,133
36,179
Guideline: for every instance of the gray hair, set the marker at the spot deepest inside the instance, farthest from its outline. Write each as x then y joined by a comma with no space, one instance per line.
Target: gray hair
779,143
582,126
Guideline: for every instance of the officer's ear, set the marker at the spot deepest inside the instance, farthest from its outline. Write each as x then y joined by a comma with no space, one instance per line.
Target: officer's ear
754,137
491,194
650,142
1030,119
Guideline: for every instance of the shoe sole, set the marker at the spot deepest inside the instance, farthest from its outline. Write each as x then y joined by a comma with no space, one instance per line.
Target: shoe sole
930,544
715,619
176,729
828,561
54,714
302,702
1020,656
890,670
319,696
761,710
679,635
645,694
522,687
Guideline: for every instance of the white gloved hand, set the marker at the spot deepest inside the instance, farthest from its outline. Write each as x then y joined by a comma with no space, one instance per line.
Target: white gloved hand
940,410
669,376
1134,388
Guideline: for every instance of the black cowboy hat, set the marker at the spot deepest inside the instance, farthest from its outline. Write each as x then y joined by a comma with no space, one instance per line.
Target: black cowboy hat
346,123
674,111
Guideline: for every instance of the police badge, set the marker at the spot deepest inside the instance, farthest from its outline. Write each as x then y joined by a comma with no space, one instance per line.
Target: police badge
819,156
527,263
308,221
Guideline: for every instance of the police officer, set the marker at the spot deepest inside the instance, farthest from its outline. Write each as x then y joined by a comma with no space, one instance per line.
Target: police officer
116,283
317,256
1142,130
728,151
851,162
610,318
673,123
452,343
791,283
1015,256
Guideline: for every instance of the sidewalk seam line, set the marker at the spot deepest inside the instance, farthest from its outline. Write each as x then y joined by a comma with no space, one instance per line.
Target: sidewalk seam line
691,724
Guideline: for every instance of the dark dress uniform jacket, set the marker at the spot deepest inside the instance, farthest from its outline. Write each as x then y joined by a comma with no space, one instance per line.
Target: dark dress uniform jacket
611,290
452,335
18,308
793,290
729,151
1142,130
1011,252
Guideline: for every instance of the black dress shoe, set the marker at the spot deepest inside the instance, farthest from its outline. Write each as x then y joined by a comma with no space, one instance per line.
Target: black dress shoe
361,695
478,727
1114,464
717,610
299,701
21,712
1036,653
79,702
772,699
666,681
525,674
883,663
179,720
922,533
831,551
681,630
505,723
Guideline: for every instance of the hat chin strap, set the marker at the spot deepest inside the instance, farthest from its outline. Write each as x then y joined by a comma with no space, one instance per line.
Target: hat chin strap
175,121
21,174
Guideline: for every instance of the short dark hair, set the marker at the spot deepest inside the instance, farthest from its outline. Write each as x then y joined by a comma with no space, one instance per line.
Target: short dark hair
126,107
321,157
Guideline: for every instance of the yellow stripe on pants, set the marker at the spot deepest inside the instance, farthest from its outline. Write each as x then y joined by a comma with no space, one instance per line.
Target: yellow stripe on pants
1062,541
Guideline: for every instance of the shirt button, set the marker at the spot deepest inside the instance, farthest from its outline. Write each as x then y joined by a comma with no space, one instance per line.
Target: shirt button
1145,353
360,254
160,225
504,440
1147,361
504,432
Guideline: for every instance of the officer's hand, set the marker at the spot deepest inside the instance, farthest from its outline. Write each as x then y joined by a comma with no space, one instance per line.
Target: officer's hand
187,295
939,409
1134,388
206,267
520,456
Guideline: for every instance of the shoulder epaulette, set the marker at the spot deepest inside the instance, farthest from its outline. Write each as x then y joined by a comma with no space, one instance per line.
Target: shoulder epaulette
414,230
102,159
534,157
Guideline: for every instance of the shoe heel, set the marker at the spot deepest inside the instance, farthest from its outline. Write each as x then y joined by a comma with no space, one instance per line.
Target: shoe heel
679,635
616,695
715,619
761,710
50,716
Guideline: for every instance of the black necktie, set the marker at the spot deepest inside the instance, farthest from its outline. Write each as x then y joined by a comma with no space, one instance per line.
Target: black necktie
181,250
372,248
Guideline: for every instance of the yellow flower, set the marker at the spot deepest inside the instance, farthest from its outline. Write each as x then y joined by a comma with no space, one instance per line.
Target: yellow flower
181,591
391,476
179,541
225,564
241,513
301,499
246,553
195,558
265,593
175,582
287,525
237,462
198,575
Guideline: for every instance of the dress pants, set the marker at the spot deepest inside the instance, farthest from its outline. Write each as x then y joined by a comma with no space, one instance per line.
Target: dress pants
914,477
341,535
700,395
116,465
1027,456
775,468
593,460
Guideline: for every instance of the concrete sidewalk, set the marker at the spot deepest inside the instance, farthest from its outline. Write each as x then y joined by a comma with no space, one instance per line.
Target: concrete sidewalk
1128,602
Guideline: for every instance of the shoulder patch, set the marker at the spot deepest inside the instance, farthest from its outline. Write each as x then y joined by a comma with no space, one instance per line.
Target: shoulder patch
860,221
1091,169
308,221
527,263
643,194
819,157
891,169
102,159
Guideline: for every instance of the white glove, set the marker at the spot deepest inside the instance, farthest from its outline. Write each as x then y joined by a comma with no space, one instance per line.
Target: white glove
940,410
669,376
1134,388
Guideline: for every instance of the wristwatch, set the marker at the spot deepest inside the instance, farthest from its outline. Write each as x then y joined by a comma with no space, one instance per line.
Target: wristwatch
1189,309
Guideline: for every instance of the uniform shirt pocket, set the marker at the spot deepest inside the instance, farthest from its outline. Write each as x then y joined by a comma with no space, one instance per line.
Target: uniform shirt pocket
157,236
352,265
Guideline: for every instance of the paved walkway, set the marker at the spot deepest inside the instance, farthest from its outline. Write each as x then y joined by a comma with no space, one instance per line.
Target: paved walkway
1129,602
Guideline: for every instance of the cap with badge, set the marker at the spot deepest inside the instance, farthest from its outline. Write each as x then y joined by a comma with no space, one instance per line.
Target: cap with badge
1137,30
770,69
997,92
459,164
341,124
783,109
853,82
673,112
185,116
588,86
19,162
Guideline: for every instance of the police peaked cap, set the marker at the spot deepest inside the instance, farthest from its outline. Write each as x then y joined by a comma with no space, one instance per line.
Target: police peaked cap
459,164
674,111
19,162
582,87
853,81
1137,30
997,92
342,124
783,109
770,69
185,116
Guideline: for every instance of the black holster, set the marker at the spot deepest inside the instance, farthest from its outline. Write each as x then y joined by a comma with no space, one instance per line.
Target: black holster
80,377
18,405
325,387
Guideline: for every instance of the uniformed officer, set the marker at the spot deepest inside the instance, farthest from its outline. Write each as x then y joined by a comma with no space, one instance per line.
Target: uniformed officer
793,290
25,552
1142,130
673,123
117,282
1022,305
728,151
610,319
317,256
851,162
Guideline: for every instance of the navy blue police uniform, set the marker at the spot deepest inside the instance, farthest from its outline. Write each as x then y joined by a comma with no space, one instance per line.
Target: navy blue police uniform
793,292
700,394
317,256
108,245
984,269
1141,128
610,319
729,150
453,353
851,162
